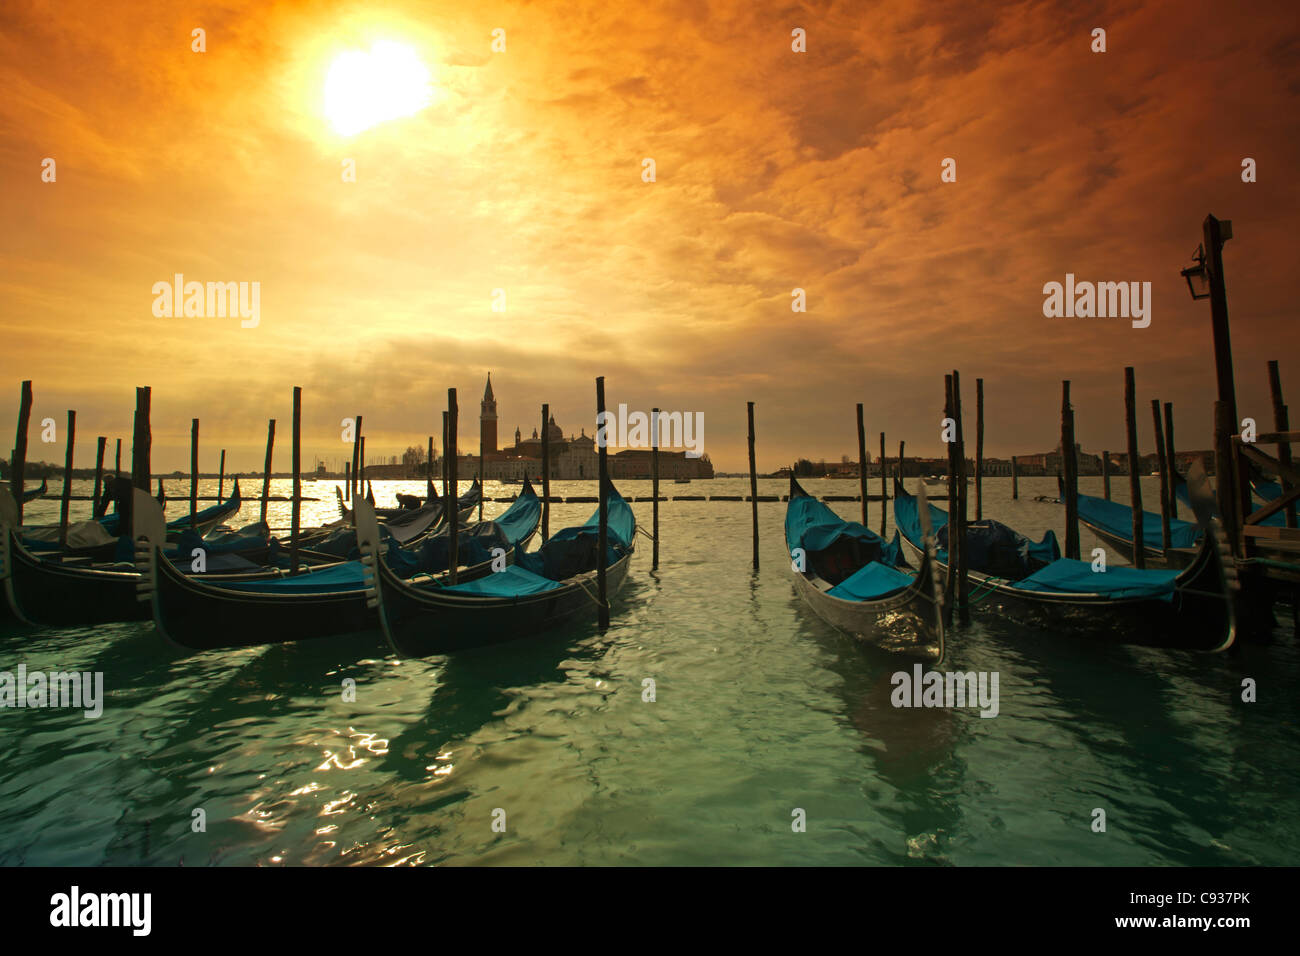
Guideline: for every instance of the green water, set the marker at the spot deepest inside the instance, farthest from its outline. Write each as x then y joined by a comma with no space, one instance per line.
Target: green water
760,709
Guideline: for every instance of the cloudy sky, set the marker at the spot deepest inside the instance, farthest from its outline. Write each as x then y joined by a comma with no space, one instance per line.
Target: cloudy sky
774,170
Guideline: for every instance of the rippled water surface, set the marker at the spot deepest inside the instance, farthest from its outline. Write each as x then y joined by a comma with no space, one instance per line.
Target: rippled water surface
760,709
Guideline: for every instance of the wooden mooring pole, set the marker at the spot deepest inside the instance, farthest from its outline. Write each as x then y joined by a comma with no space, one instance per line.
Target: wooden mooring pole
546,474
1134,467
654,487
1105,473
194,473
221,477
950,579
1172,460
453,539
1070,467
963,577
753,481
428,475
1165,482
884,489
1015,479
99,500
1215,233
1282,423
67,479
862,465
18,461
266,468
602,536
141,441
979,449
355,486
296,521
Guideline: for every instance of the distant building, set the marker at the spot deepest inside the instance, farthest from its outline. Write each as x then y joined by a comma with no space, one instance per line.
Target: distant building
575,457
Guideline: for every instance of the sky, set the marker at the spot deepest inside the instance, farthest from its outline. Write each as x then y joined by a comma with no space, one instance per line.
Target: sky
774,170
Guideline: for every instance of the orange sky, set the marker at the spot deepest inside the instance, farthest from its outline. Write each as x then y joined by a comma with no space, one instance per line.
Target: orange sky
774,170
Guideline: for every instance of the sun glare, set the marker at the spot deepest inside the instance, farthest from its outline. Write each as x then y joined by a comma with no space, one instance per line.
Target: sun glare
365,89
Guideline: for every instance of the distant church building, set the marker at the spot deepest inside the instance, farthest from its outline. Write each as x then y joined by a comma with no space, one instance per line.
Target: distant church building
574,457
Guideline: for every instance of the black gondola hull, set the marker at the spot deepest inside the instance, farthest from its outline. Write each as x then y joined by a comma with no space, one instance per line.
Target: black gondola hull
1197,618
422,623
905,623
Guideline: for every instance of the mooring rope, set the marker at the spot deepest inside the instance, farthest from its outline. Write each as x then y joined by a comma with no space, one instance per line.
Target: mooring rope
993,584
594,599
641,530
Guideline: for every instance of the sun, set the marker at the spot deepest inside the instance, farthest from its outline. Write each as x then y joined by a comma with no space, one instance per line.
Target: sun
364,89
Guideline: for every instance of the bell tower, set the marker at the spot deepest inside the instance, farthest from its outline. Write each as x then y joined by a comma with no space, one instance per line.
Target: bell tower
487,421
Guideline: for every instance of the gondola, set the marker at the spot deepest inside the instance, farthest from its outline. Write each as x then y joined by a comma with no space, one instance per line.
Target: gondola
465,506
36,492
66,593
1028,583
1112,523
538,592
861,584
201,615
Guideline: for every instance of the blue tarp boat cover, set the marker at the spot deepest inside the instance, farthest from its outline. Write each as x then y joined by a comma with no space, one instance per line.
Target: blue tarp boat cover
811,525
994,548
514,581
1077,577
871,582
621,523
573,550
1118,520
339,577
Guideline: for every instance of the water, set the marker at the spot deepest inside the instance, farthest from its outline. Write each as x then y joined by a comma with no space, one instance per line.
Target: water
760,709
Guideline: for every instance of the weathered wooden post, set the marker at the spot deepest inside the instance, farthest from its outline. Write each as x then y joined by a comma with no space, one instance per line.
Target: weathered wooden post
18,462
266,468
295,523
1165,483
67,479
453,541
428,475
1134,467
546,474
1105,473
950,579
117,460
654,486
1015,479
221,478
753,481
99,504
361,478
141,440
194,472
963,577
1173,461
481,494
347,481
884,490
862,465
1215,233
1070,466
979,449
450,507
602,536
1225,426
356,486
1281,423
899,470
